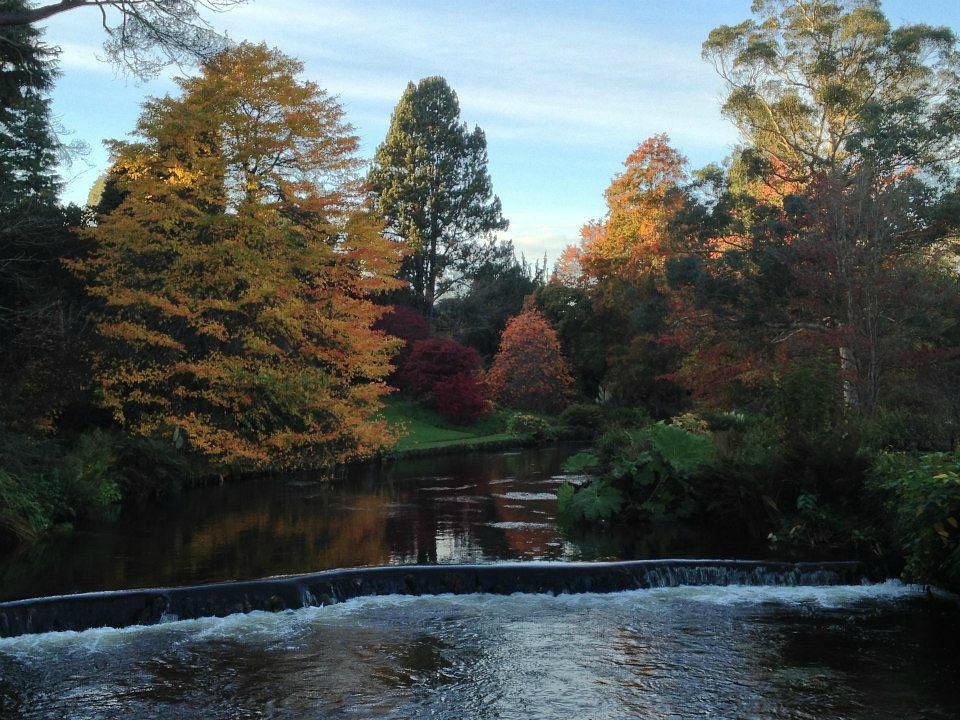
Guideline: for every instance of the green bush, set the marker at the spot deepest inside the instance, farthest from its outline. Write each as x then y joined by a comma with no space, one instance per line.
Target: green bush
24,514
581,462
30,499
46,483
628,417
901,430
598,501
645,474
153,470
87,477
922,496
530,426
583,419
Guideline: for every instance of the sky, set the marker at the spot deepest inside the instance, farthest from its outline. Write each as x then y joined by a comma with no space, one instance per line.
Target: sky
563,90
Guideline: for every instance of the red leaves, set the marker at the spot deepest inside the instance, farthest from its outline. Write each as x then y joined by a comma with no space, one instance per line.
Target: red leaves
433,360
461,398
529,371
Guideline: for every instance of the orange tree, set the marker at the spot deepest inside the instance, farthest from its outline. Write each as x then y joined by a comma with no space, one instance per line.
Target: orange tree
620,267
234,278
529,371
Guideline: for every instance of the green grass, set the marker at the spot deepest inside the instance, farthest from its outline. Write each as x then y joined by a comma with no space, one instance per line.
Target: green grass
423,429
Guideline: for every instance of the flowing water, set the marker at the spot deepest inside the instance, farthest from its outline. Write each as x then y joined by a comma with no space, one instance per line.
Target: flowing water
851,651
868,652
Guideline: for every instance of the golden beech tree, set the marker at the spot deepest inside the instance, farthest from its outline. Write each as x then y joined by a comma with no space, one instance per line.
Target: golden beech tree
235,275
529,371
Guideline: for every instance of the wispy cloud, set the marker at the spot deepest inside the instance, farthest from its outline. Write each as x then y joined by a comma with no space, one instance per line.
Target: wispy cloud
563,89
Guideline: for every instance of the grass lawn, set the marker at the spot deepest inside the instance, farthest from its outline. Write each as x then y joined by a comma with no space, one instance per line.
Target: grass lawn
424,429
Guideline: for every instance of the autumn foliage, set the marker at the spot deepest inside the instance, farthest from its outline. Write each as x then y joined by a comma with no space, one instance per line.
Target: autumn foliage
461,398
529,372
434,360
234,278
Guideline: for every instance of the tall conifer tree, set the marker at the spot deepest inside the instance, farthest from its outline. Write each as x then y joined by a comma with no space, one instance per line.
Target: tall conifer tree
430,183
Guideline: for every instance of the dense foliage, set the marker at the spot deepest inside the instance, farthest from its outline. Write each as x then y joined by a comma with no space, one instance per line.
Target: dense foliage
461,398
529,371
429,181
770,344
435,359
923,498
234,276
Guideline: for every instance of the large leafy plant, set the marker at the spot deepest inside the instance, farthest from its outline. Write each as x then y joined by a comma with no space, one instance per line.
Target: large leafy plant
650,476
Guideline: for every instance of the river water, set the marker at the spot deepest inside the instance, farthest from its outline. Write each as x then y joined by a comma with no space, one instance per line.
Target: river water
477,507
864,651
855,652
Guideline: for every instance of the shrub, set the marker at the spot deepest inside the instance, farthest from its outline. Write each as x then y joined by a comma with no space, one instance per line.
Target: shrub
531,426
407,325
153,470
24,511
403,323
433,360
43,483
461,398
598,501
581,462
650,470
626,417
583,419
529,372
923,499
87,477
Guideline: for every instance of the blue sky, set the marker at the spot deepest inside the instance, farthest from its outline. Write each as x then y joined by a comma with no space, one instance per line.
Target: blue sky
563,90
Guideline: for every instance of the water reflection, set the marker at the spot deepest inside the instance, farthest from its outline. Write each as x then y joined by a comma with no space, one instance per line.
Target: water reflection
432,510
467,508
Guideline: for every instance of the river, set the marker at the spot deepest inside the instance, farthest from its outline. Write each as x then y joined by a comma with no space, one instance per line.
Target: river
851,651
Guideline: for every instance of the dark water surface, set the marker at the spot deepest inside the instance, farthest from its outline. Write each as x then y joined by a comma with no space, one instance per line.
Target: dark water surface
476,507
857,652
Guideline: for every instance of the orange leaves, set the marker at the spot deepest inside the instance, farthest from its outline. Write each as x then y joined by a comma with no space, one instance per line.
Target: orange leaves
529,371
236,290
633,239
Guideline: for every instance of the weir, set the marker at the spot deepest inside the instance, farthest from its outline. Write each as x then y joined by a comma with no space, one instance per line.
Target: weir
123,608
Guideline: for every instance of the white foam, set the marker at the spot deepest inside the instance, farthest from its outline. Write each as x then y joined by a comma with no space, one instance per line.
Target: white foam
260,624
526,496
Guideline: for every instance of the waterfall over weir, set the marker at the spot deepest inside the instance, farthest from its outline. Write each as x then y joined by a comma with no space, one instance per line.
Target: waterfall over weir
150,606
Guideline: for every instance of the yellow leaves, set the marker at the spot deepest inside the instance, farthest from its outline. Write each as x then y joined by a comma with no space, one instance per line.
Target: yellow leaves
181,176
138,335
236,290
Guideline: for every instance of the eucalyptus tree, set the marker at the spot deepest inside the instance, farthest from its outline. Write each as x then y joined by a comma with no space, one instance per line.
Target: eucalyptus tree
854,125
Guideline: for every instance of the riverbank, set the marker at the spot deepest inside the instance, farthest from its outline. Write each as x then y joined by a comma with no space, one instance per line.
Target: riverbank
424,432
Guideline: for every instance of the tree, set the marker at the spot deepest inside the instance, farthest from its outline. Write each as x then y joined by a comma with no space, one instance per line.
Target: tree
495,292
633,239
39,319
28,158
529,371
429,181
571,312
854,126
620,265
142,35
461,398
235,275
434,360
